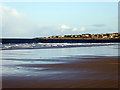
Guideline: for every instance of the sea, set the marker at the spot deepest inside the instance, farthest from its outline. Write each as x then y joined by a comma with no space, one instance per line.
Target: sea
16,58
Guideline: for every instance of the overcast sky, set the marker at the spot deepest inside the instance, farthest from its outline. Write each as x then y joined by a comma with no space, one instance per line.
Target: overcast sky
36,19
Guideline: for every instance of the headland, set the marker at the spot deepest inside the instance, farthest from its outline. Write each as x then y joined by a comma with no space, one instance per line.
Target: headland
82,38
85,36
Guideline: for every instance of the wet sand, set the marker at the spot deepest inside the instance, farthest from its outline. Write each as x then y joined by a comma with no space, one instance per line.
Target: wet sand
77,72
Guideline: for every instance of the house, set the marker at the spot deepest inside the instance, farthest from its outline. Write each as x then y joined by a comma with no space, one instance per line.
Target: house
85,35
59,36
88,35
99,36
79,36
105,35
68,36
94,36
75,36
53,36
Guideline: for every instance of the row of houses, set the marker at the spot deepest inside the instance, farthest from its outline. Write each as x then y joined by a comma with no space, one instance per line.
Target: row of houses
108,35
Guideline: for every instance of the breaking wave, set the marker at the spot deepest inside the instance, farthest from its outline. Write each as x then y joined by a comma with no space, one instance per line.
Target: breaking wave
51,45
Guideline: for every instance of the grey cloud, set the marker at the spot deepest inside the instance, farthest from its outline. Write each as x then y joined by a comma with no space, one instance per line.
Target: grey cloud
99,25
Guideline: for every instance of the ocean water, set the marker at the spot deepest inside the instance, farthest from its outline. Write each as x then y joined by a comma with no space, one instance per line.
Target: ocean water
21,60
50,50
50,45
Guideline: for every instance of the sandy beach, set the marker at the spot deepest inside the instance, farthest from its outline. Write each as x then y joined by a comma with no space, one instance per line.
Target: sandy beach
80,72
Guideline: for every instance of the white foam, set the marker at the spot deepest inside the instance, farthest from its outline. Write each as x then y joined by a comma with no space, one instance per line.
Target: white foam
51,45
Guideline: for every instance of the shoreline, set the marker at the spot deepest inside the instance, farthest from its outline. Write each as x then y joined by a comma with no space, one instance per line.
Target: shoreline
78,72
15,41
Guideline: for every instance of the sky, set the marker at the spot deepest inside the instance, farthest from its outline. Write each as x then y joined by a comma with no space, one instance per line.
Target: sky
41,19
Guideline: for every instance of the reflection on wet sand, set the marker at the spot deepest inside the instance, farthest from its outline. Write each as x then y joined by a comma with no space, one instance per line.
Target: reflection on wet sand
71,72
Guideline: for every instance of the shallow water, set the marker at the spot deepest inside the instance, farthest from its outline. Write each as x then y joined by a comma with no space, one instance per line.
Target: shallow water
67,63
12,60
108,50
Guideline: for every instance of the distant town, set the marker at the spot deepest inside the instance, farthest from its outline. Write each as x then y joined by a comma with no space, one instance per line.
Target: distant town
85,36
